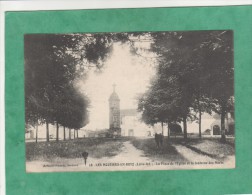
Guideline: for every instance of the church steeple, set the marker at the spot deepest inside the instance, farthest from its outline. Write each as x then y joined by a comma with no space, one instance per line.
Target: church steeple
114,96
114,111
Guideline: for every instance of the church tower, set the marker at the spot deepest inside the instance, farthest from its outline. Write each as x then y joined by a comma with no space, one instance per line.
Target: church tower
114,112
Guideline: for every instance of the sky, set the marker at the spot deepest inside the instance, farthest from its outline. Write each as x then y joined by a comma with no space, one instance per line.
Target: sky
130,73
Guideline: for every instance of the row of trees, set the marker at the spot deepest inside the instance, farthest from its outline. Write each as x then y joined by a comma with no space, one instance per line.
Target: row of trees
53,63
195,74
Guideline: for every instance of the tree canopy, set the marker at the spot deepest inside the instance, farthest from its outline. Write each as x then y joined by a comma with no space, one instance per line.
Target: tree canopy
194,74
53,62
52,65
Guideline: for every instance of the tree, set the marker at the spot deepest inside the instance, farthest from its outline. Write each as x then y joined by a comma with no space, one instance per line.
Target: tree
41,67
222,75
52,64
64,133
175,71
71,109
201,63
161,103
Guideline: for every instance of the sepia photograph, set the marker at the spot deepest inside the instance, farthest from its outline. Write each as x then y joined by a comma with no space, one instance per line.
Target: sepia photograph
129,101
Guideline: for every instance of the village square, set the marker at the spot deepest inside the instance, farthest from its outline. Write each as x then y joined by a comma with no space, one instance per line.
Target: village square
175,114
129,141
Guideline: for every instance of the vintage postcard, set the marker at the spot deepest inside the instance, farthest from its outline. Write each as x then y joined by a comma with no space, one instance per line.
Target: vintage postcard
129,101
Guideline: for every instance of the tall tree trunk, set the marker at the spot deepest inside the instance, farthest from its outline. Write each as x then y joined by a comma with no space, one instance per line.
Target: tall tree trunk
185,127
64,132
199,117
200,123
47,131
37,133
162,124
168,129
69,133
77,134
57,131
223,134
227,122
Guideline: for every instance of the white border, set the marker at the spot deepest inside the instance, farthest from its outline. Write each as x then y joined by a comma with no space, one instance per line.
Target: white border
74,5
101,4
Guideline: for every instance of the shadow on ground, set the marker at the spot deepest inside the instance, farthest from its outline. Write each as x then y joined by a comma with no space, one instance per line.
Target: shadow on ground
167,153
211,147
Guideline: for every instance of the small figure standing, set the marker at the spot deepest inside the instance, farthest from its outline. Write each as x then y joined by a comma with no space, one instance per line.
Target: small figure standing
85,156
159,140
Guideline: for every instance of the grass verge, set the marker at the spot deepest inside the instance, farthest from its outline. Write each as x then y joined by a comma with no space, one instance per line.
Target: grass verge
96,147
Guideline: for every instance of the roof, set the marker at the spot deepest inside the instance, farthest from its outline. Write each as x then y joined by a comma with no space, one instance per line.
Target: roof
114,96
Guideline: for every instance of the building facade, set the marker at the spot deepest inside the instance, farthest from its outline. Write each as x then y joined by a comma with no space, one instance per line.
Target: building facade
131,124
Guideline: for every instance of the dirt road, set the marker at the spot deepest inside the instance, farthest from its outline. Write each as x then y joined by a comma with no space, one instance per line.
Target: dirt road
130,158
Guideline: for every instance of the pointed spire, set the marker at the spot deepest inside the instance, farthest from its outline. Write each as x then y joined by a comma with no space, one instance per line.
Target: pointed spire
114,95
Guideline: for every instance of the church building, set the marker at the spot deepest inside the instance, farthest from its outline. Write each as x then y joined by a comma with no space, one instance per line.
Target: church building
125,122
